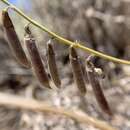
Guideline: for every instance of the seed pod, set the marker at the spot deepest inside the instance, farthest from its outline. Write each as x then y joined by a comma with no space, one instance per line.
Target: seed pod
52,65
13,40
84,72
92,76
77,70
36,61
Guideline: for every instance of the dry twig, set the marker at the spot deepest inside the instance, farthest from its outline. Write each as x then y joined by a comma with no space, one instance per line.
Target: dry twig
30,104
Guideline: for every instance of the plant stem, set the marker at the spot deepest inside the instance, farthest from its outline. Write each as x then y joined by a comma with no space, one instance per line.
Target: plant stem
65,41
41,106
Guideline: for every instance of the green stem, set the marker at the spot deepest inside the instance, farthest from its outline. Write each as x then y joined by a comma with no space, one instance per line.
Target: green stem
65,41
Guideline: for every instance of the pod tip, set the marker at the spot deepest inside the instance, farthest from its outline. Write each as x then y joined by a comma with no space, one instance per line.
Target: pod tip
6,19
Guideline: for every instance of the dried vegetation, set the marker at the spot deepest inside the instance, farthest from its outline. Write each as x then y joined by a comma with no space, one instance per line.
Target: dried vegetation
102,24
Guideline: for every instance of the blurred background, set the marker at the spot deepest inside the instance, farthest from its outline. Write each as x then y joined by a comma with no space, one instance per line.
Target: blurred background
100,24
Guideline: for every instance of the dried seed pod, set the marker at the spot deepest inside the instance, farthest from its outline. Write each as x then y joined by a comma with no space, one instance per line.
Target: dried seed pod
84,72
52,65
36,61
92,76
13,40
77,70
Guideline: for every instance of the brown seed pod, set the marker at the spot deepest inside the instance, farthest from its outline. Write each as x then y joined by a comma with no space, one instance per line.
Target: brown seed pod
36,61
52,65
77,70
84,72
100,97
13,40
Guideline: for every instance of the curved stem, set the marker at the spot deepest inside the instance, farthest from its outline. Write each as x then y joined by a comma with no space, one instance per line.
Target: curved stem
65,41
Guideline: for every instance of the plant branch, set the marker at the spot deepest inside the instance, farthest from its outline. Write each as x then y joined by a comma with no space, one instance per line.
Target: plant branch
65,41
9,100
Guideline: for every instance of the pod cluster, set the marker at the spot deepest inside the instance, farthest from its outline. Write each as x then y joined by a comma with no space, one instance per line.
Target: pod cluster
33,60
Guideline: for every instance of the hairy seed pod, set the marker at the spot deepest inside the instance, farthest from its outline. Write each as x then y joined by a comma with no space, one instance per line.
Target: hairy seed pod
52,65
13,40
92,76
77,70
36,61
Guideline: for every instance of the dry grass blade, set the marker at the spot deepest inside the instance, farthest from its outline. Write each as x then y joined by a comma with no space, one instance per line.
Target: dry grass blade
52,65
13,40
77,70
33,105
35,59
92,75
